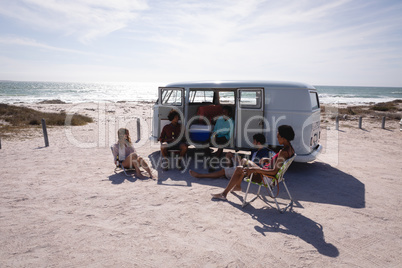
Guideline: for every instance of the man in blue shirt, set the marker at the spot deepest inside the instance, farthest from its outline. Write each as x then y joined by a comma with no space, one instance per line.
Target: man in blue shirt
223,131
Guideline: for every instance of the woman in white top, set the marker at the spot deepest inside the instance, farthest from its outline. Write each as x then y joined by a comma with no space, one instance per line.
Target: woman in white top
124,151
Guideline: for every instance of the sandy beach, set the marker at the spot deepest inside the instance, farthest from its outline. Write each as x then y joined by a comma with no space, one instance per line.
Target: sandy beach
64,206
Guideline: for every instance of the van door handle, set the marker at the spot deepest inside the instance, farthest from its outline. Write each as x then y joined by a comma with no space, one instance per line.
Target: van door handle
261,123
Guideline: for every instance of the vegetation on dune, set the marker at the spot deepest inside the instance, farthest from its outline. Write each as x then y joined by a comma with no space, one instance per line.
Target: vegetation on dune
391,110
16,117
386,106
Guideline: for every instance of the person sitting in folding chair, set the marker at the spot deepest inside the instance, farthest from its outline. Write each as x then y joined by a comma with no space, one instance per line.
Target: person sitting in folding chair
124,152
285,135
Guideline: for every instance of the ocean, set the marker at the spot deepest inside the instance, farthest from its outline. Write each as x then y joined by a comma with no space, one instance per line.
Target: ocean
32,92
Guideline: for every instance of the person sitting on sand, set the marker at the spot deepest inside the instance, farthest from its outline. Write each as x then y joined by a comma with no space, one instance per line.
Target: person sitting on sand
222,132
259,156
124,151
169,139
285,135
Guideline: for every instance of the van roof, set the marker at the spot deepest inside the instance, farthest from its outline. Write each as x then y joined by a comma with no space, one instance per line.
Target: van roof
237,84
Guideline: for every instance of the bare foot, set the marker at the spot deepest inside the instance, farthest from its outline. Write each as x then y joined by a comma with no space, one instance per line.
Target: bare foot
219,196
237,188
151,175
194,174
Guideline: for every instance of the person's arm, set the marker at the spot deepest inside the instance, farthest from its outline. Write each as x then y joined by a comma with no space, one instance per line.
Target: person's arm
270,172
130,150
215,126
264,161
178,134
115,151
162,137
231,127
258,170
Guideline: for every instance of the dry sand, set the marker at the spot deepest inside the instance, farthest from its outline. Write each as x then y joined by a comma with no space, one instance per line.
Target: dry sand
64,206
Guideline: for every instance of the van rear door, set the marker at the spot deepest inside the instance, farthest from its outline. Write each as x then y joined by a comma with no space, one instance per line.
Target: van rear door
249,115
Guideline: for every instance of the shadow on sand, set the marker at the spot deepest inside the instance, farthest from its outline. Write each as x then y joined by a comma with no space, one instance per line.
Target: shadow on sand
119,178
315,182
310,182
171,177
291,223
321,183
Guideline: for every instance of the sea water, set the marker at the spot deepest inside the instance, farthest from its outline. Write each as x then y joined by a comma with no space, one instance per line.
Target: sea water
357,95
31,92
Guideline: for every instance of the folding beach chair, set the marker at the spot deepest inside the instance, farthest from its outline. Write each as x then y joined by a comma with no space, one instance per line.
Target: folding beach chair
269,182
119,165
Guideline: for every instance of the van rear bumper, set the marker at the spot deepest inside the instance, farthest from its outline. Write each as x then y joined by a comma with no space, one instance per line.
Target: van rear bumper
304,158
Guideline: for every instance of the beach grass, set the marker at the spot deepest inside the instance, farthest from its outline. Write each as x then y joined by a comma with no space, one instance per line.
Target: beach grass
391,110
14,118
387,106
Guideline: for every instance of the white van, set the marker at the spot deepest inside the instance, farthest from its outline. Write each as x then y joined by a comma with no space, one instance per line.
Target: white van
258,107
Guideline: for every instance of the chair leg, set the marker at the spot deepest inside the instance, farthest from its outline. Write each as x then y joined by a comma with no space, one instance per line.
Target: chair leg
124,170
272,195
290,204
291,199
245,203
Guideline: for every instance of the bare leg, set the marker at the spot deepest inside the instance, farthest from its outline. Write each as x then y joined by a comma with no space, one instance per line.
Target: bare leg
145,166
134,160
213,175
131,162
164,150
243,162
219,152
183,149
235,182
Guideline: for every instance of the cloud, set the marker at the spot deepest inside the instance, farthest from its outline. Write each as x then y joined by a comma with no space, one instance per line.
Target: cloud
223,39
243,27
22,41
86,19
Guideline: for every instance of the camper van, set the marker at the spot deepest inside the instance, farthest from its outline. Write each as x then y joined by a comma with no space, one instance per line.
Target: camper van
258,107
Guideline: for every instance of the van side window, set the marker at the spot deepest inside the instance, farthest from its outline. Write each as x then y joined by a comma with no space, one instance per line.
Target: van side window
171,96
250,99
201,96
314,100
227,97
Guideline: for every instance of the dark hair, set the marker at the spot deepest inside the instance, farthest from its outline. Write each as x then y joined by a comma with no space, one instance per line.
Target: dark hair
286,131
172,115
229,109
259,137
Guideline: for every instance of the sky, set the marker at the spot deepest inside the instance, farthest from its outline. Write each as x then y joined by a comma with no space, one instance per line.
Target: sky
320,42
